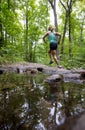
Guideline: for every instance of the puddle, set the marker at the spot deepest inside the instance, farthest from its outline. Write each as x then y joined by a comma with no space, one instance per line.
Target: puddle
26,102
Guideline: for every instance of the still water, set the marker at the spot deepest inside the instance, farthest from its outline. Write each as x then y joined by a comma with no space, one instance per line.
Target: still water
28,103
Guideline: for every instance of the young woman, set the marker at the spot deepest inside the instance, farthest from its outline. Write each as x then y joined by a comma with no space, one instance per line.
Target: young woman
52,36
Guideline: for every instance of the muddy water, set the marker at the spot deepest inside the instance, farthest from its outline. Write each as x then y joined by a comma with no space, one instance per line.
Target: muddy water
27,103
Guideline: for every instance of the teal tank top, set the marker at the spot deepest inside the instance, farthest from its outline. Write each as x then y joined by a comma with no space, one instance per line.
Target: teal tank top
52,38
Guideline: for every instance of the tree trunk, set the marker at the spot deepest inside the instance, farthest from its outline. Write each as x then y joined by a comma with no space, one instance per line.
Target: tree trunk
70,37
1,31
26,39
55,16
34,59
30,51
5,39
64,32
81,32
68,10
1,34
8,1
53,5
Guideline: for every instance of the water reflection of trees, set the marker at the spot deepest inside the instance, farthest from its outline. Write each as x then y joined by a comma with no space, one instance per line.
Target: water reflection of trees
33,105
67,100
20,106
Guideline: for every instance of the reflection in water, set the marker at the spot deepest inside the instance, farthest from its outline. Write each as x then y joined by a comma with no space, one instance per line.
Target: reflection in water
26,102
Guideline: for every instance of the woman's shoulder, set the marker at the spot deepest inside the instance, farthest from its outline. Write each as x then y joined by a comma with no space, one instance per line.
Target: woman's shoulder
55,32
49,32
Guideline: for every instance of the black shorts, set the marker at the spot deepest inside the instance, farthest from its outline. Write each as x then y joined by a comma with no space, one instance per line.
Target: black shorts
53,46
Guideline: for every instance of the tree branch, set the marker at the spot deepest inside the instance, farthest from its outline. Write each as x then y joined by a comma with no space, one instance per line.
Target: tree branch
67,4
51,2
70,5
62,4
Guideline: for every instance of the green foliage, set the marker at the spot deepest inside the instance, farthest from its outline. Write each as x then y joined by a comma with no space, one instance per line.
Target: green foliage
77,60
13,31
11,54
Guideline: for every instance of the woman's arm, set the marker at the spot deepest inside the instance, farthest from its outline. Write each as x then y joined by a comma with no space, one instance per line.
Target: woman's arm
58,34
45,36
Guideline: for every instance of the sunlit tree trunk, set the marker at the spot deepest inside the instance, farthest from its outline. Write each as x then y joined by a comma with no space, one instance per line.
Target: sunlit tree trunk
34,56
55,16
53,5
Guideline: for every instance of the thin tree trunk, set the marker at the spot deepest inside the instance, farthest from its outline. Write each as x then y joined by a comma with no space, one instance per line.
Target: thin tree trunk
81,32
70,37
55,16
34,59
8,1
5,37
30,50
1,30
26,39
64,32
53,5
1,34
68,12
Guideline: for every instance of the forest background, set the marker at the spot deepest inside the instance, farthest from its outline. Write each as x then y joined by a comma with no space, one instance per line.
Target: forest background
24,22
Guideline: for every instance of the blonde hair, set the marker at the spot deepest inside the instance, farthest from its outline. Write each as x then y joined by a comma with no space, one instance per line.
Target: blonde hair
51,28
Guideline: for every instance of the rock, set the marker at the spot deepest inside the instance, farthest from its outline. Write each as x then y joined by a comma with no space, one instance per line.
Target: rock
82,75
63,71
34,71
40,69
71,76
78,71
19,70
31,71
1,71
54,78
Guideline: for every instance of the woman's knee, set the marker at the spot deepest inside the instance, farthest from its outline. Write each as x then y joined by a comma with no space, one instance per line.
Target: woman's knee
53,52
49,52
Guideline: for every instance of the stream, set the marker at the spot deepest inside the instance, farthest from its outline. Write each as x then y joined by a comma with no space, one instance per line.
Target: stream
28,103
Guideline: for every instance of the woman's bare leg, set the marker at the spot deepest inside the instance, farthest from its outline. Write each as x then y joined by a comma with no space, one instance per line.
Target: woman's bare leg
50,55
53,52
